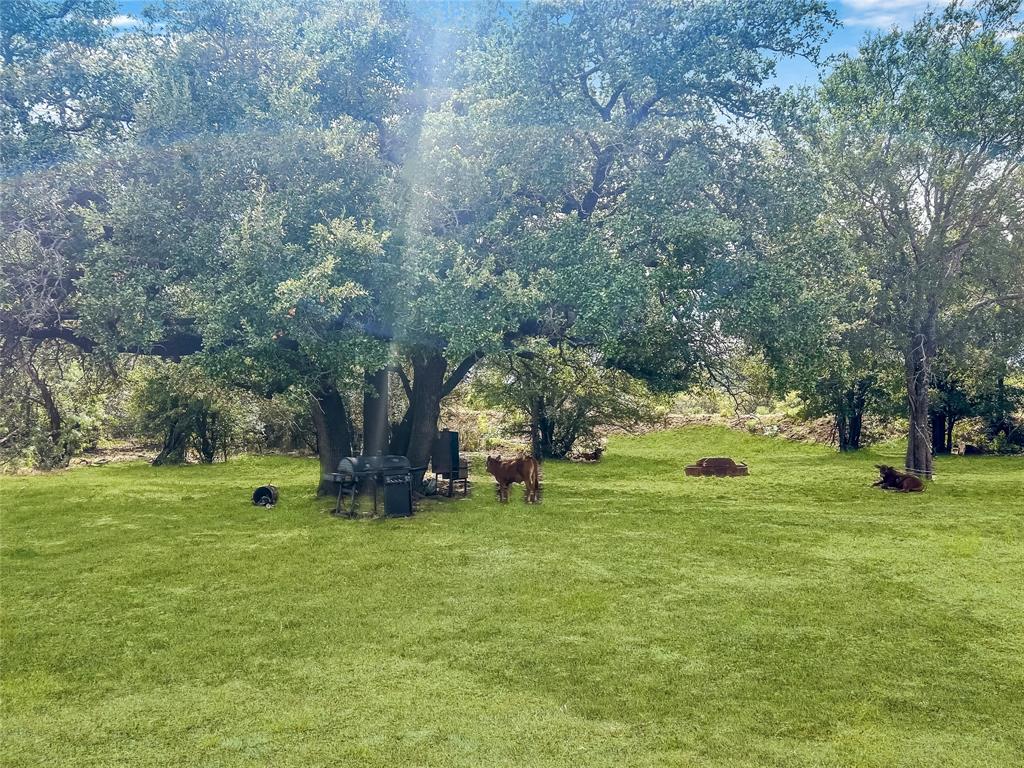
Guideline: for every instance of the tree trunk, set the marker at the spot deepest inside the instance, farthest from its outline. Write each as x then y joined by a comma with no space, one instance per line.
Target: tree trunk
375,412
548,450
850,417
843,432
413,437
939,432
536,438
175,445
856,427
400,432
333,433
208,433
542,432
950,423
60,455
917,359
425,409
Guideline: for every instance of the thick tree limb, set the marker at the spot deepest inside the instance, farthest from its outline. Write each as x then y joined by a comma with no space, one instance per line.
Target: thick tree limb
180,344
461,371
641,112
995,300
89,120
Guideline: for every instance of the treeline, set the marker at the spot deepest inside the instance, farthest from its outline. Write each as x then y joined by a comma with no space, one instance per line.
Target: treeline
321,200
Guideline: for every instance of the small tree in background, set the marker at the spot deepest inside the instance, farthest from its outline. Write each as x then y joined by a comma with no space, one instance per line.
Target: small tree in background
52,404
186,412
561,397
851,372
978,375
978,386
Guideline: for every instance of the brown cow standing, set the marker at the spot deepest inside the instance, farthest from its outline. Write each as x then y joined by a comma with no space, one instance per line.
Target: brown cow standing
894,480
523,470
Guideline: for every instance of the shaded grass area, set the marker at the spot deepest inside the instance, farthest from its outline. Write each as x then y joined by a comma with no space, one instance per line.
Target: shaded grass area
796,617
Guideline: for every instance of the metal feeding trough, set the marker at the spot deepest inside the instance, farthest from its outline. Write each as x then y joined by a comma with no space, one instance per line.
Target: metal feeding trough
265,496
392,472
717,466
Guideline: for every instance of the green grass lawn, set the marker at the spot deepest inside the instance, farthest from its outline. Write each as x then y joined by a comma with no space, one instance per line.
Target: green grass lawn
796,617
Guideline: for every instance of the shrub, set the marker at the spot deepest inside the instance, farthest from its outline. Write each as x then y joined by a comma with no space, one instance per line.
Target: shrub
560,397
188,413
287,424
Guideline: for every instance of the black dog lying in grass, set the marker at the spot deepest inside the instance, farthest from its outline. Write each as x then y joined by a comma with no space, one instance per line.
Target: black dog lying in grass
894,480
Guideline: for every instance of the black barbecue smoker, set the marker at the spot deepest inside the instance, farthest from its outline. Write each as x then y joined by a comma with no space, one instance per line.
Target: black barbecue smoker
391,473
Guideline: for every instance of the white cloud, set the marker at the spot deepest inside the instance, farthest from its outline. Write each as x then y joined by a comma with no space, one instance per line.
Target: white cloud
883,13
123,20
912,6
874,20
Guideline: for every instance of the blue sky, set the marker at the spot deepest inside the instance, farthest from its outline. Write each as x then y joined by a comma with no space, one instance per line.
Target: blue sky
857,18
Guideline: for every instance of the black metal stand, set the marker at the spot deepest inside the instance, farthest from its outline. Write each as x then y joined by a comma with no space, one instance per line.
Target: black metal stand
374,479
352,491
339,508
447,477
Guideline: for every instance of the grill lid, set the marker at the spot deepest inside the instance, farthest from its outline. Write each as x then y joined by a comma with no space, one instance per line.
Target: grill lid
359,466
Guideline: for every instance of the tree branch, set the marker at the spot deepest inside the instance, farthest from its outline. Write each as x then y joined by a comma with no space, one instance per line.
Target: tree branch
460,372
1004,299
585,90
89,120
404,378
180,344
640,113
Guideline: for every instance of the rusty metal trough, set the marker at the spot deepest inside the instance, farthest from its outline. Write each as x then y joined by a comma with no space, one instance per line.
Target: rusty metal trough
717,466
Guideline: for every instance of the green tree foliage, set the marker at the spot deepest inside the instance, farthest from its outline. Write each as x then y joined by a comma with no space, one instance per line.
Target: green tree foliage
68,85
235,224
300,196
833,356
307,191
67,80
976,375
617,130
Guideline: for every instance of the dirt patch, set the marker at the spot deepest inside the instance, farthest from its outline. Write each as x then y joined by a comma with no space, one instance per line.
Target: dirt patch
115,453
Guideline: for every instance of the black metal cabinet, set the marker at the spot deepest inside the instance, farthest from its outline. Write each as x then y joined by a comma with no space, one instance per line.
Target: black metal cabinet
447,464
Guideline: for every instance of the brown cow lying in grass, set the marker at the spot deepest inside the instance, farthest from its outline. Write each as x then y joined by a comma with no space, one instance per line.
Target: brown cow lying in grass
523,470
894,480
